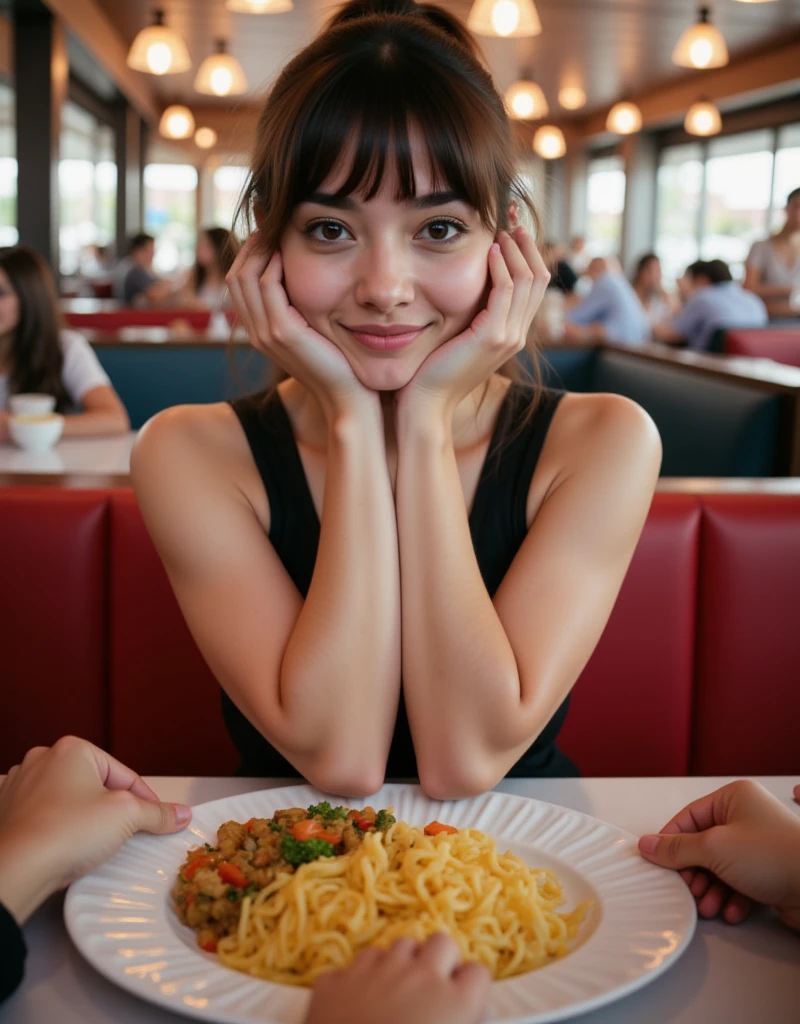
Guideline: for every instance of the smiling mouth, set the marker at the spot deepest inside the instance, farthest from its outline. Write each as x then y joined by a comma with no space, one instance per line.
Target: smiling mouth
386,339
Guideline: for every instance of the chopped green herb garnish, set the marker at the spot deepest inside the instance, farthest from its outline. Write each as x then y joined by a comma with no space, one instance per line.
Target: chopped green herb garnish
325,811
232,894
383,819
301,851
275,826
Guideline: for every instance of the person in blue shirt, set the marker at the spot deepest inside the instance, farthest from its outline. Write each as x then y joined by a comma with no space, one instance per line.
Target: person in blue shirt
713,300
611,311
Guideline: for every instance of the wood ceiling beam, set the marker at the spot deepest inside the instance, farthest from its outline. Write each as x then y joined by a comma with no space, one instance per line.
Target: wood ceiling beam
88,22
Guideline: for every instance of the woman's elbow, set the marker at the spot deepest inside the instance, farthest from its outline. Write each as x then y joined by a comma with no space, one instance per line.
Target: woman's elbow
458,781
346,778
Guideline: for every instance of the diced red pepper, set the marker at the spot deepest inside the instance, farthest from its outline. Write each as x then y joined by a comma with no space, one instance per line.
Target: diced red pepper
233,874
436,827
365,824
248,825
201,860
189,900
209,946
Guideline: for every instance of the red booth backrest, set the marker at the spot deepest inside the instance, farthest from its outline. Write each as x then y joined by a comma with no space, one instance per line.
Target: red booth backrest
114,319
780,344
698,668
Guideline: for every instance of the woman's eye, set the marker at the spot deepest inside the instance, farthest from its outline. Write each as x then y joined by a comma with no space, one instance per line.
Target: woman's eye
327,231
439,230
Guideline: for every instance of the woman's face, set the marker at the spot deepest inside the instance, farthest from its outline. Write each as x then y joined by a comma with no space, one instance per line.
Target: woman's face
651,274
361,271
9,305
206,253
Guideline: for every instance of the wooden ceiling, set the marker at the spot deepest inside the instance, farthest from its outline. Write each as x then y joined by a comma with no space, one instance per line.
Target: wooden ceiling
609,47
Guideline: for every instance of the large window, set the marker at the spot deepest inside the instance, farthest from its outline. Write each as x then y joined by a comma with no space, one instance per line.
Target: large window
228,185
716,198
605,203
170,197
87,181
8,169
680,187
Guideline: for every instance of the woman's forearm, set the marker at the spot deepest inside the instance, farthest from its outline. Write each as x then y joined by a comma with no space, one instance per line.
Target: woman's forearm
340,674
460,677
96,423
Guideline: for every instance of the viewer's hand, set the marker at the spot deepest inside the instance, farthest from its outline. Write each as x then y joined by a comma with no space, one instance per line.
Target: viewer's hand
277,329
518,279
4,432
65,810
747,845
405,984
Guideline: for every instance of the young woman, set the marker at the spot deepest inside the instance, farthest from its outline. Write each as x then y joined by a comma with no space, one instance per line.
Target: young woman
206,287
772,270
37,355
400,561
646,281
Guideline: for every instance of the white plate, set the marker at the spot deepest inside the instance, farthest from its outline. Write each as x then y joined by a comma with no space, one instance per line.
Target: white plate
641,920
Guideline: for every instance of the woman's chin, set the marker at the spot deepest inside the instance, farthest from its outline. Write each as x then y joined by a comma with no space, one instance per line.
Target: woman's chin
385,374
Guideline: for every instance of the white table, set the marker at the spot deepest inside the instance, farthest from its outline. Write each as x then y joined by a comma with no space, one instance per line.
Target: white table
748,974
101,455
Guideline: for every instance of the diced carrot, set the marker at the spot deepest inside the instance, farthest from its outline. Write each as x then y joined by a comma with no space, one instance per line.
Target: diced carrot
248,825
311,829
436,827
209,946
233,874
200,860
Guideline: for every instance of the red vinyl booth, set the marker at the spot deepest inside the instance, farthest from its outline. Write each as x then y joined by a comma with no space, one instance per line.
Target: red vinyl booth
697,670
115,319
779,343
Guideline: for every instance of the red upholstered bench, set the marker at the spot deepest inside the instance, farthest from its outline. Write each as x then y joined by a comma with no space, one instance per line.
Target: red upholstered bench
697,669
779,343
114,319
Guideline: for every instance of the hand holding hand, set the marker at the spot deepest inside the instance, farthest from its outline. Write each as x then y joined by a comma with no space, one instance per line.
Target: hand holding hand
279,331
746,845
65,810
518,278
426,984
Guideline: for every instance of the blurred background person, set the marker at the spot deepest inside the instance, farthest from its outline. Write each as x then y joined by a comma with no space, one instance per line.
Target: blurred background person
205,286
134,283
37,355
773,266
712,301
657,304
611,311
577,255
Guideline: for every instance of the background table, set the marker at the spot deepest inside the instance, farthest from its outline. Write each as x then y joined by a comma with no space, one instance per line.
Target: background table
96,461
748,974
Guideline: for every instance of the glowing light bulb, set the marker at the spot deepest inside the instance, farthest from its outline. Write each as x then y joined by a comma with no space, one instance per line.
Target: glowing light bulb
159,58
221,81
701,52
505,17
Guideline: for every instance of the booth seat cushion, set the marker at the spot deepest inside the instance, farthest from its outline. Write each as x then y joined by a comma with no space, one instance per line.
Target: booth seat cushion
780,344
747,712
165,703
631,708
114,319
53,617
149,378
708,427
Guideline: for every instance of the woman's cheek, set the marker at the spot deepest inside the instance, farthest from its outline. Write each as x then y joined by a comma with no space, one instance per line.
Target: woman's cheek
461,288
313,287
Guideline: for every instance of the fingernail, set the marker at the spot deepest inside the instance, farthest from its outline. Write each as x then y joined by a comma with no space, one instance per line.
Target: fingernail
648,844
183,814
495,247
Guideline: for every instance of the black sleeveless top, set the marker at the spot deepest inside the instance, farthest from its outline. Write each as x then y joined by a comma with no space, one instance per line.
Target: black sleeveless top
497,525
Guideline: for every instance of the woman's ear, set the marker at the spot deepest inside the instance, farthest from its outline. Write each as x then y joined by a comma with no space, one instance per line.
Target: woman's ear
513,215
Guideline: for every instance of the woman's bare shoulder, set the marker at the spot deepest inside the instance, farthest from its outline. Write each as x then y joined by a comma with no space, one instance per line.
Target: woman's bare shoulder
198,448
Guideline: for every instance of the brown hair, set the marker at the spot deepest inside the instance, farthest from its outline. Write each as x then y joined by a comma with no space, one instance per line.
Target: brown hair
377,67
226,245
37,359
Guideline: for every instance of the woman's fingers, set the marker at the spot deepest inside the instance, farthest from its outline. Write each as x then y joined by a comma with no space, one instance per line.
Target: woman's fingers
243,284
116,775
541,275
522,281
441,954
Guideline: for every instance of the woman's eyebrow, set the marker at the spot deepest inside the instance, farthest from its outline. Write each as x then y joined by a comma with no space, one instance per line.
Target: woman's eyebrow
418,202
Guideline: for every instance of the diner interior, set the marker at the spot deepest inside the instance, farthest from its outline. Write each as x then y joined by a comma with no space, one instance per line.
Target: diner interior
660,141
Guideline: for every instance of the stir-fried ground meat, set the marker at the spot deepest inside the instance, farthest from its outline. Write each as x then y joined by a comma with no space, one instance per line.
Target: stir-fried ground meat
249,855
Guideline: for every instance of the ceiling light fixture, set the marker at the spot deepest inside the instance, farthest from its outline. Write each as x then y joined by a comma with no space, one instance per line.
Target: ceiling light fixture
703,118
504,18
549,142
259,6
571,97
205,138
220,74
177,122
701,45
525,101
624,118
158,50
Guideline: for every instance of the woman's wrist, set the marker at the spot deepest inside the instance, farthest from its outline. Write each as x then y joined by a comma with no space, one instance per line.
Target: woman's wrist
26,878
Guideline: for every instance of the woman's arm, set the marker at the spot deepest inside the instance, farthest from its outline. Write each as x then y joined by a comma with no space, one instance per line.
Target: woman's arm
103,413
483,677
754,282
319,678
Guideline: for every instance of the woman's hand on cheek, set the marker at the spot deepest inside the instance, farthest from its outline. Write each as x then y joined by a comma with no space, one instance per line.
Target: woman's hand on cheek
277,329
518,279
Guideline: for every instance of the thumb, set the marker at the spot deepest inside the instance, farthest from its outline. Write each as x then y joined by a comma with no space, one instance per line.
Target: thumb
160,818
677,850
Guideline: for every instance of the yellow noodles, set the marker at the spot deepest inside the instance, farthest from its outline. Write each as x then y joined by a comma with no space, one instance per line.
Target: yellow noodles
402,882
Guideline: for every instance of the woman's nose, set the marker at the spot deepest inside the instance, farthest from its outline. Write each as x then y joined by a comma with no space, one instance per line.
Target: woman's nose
384,280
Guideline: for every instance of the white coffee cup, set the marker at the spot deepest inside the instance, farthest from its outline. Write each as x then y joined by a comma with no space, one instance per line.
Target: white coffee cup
36,433
31,405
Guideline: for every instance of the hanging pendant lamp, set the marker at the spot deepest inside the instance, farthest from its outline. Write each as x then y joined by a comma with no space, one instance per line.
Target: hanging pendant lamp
701,45
624,118
549,142
177,122
220,74
259,6
158,50
525,101
505,18
703,118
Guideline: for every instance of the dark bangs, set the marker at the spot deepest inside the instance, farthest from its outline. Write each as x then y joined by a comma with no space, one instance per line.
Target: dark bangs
358,91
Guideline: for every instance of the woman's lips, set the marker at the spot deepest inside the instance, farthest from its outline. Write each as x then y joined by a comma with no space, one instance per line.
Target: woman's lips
386,342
